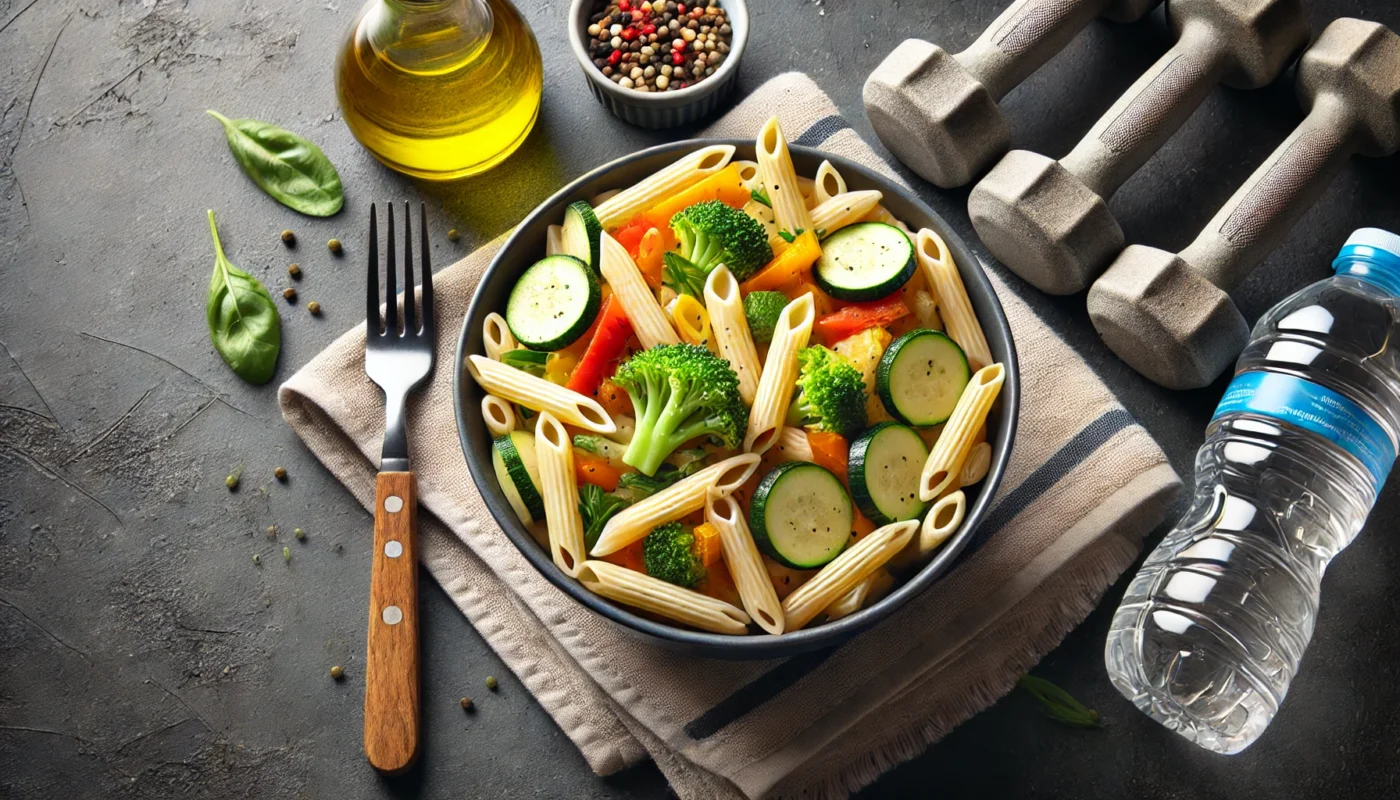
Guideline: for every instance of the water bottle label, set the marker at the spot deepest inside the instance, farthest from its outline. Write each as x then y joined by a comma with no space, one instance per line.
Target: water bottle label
1314,408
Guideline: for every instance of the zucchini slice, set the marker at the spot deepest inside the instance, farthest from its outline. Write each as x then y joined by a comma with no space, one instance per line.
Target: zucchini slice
801,515
921,376
513,457
865,261
582,234
886,464
553,303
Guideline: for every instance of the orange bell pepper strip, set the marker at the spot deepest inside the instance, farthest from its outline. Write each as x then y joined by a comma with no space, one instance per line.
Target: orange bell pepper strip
650,253
610,335
614,400
629,557
788,267
857,317
830,450
707,545
823,302
725,186
861,525
596,470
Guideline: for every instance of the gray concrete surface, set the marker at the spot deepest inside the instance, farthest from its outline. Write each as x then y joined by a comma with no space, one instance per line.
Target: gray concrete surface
143,654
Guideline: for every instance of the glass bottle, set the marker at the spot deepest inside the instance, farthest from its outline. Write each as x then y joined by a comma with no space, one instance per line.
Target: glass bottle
439,89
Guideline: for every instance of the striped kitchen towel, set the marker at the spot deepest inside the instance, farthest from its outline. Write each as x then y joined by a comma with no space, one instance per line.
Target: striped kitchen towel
1084,483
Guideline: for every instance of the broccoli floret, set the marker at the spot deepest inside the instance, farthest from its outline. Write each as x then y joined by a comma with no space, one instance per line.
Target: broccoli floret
596,507
762,310
669,554
830,393
636,487
712,233
680,392
530,361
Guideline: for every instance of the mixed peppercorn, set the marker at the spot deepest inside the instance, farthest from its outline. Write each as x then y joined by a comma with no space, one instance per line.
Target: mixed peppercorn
658,47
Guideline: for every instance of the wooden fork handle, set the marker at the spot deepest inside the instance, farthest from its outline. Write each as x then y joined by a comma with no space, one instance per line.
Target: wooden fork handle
391,665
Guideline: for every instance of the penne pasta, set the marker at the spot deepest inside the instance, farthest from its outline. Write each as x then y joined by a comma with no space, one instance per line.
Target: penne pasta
603,197
621,207
942,521
499,415
538,394
829,184
953,302
630,288
748,173
842,210
554,453
855,564
692,321
882,214
780,179
745,563
925,310
642,591
946,459
675,501
793,445
496,337
808,188
866,592
554,240
976,465
775,385
730,328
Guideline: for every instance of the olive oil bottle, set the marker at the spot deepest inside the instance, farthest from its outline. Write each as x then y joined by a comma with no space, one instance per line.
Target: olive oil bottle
440,89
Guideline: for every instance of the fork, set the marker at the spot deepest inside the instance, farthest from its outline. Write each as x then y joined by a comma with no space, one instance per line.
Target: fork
397,362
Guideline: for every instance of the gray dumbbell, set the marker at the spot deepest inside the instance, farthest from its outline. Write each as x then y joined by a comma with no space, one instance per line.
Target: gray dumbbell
938,113
1049,220
1169,315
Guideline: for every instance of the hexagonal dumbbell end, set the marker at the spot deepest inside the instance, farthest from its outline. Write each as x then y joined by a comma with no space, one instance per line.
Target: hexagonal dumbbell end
1165,319
1357,62
1044,223
933,115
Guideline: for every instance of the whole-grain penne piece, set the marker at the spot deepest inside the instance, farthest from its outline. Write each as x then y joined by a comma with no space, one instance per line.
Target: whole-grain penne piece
498,414
647,316
673,502
745,564
639,590
829,184
775,385
865,593
538,394
793,445
953,303
730,328
942,521
689,169
842,210
496,337
554,240
976,465
945,460
554,453
855,564
779,178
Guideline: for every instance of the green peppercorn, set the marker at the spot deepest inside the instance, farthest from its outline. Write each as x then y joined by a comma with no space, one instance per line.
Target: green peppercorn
337,672
334,245
299,533
314,307
452,235
271,531
231,481
295,271
280,473
289,238
287,554
290,294
257,559
466,704
491,682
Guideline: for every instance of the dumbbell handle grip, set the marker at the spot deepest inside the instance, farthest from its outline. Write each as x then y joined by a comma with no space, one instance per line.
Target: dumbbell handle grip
1023,38
1146,115
1262,211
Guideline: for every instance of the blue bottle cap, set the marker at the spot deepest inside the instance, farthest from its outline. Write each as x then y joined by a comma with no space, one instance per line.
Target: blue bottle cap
1372,255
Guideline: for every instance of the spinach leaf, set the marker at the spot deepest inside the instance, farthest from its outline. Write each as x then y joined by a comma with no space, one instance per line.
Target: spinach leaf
291,169
243,320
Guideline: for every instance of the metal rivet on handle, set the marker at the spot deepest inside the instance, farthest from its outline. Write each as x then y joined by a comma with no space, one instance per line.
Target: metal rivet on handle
393,548
392,615
393,504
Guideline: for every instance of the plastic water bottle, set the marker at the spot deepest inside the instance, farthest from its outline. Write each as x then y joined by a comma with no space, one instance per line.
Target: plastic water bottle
1211,631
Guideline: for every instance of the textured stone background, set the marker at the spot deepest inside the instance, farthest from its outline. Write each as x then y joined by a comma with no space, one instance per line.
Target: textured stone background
141,651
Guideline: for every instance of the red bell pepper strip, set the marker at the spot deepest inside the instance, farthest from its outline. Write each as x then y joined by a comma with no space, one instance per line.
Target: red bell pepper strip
608,343
630,235
857,317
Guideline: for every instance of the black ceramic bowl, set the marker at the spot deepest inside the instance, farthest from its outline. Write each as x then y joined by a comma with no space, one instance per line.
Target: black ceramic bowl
526,245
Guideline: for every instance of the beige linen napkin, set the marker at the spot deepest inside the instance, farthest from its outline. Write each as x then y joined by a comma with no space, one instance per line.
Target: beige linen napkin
1084,482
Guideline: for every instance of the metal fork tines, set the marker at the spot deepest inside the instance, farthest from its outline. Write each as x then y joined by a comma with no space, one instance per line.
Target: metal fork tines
398,358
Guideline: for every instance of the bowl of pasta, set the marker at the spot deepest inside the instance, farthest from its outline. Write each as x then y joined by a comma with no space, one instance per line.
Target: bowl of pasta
737,396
